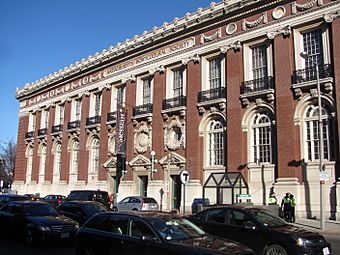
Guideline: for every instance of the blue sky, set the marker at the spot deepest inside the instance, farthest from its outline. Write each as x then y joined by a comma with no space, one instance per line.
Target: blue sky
39,37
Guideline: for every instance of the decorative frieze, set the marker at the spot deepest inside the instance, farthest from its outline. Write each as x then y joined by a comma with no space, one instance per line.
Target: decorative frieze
142,138
304,7
279,12
285,31
217,35
263,19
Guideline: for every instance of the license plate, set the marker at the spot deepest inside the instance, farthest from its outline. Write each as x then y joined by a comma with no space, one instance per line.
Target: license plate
65,235
325,251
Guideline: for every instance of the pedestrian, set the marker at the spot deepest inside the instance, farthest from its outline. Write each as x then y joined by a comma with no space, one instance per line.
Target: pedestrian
112,200
285,206
272,199
292,207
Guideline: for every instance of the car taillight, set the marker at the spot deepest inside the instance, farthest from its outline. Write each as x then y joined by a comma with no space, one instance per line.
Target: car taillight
59,201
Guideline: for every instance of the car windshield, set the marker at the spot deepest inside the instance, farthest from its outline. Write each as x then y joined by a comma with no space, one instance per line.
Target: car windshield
267,219
176,228
91,209
40,210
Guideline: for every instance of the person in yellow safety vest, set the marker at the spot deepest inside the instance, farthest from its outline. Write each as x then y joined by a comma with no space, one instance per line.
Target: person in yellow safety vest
272,199
292,208
285,206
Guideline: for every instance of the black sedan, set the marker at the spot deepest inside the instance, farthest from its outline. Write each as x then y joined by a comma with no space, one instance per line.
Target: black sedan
149,233
81,211
36,222
264,232
5,198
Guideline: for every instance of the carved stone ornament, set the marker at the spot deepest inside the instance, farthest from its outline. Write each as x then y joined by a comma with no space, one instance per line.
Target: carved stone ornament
129,78
174,134
245,102
216,35
328,88
298,93
231,28
201,110
304,7
279,12
330,17
313,93
284,31
112,146
263,19
142,139
196,58
160,69
235,46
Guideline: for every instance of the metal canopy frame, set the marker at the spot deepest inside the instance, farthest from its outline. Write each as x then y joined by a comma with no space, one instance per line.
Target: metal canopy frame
233,181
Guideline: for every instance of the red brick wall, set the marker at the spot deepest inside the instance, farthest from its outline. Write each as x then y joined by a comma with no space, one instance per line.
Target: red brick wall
65,155
83,153
287,133
106,99
49,144
194,143
20,160
36,157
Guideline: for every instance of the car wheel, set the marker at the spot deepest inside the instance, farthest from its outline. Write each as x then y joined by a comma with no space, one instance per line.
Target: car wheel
275,249
29,238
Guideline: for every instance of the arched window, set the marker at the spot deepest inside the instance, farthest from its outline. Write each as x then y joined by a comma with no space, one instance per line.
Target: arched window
74,157
29,164
262,143
94,155
216,147
312,133
42,166
57,159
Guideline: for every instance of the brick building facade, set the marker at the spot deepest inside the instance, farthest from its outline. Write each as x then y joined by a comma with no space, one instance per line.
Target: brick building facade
224,89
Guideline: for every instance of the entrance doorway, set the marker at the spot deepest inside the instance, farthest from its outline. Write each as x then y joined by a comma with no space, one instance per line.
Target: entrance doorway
176,187
143,186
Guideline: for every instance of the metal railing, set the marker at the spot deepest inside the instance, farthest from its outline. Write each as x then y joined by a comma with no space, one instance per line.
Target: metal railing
309,74
257,85
211,94
142,109
73,124
111,116
42,132
93,120
29,135
57,128
174,102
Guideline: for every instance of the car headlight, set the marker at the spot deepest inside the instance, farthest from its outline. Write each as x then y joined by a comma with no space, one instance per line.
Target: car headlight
303,242
76,226
44,228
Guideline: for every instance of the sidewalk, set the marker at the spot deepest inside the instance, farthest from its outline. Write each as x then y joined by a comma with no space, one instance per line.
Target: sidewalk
331,227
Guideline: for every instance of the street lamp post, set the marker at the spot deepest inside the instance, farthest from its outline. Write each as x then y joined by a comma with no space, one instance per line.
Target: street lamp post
153,162
321,144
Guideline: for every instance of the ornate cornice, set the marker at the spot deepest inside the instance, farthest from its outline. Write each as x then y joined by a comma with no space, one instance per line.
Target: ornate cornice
286,31
216,35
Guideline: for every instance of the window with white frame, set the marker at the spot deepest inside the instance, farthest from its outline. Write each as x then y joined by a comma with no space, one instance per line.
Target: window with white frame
57,158
94,155
312,133
95,104
313,40
74,157
59,115
216,143
176,80
29,164
44,119
262,142
43,154
213,74
144,90
258,63
31,122
76,109
117,97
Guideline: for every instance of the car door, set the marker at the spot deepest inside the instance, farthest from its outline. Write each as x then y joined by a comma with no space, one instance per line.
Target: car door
123,205
242,228
5,214
215,221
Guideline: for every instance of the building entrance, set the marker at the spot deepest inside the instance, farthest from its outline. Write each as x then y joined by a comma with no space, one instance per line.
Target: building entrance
143,186
176,187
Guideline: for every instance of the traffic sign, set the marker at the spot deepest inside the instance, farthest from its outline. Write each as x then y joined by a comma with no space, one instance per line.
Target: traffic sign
184,176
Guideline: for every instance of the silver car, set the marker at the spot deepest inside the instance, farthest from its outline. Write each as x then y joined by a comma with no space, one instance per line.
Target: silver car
136,203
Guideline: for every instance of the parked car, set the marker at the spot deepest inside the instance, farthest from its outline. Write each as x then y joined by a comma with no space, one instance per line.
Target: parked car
90,195
81,211
263,231
33,197
5,198
136,203
36,222
199,203
151,233
54,199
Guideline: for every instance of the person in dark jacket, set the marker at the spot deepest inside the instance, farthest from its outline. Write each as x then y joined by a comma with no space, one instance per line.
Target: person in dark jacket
285,206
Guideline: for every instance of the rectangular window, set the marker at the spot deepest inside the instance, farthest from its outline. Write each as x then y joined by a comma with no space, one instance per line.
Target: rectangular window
259,62
146,91
77,109
97,104
120,95
31,122
312,45
178,82
215,73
